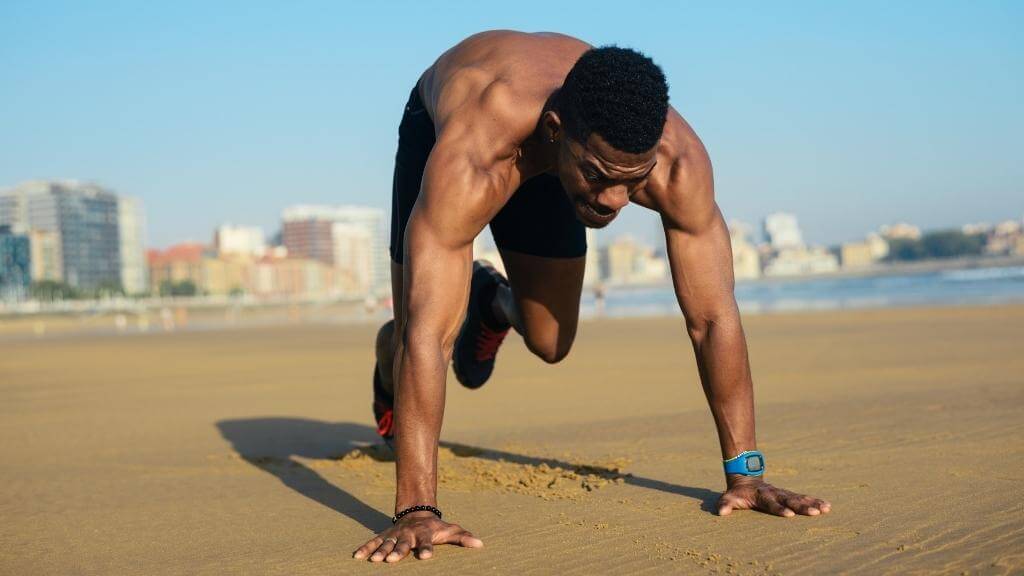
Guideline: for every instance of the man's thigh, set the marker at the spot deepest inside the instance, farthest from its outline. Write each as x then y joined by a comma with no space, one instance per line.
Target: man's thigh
544,247
547,294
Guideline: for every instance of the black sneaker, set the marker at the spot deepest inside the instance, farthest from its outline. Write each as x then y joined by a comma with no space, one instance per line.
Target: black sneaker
478,341
383,402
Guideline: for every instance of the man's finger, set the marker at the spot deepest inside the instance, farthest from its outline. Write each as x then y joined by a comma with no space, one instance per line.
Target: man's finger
726,506
801,504
727,503
469,541
773,506
425,551
365,549
401,551
456,535
385,548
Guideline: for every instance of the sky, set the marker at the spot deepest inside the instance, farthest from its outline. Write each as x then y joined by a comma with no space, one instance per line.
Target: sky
848,114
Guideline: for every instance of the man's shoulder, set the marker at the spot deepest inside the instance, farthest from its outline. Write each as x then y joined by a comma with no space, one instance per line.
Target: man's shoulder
682,188
500,75
485,117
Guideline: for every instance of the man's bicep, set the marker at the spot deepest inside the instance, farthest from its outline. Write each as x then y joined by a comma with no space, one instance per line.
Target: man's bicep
700,257
451,210
457,198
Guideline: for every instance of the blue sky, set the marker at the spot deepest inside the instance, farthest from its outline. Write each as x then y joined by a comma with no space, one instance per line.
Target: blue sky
850,115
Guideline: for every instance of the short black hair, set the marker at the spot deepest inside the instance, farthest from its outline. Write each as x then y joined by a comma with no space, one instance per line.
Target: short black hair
618,93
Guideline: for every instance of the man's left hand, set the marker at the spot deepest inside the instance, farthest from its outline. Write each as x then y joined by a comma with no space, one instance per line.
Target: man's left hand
753,493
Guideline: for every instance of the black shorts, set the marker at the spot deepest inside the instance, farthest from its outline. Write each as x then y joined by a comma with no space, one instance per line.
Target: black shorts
539,219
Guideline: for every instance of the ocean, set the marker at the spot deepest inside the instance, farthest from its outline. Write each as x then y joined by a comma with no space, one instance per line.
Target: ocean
941,288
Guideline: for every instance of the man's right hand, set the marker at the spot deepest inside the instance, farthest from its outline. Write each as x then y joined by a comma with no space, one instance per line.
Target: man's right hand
417,531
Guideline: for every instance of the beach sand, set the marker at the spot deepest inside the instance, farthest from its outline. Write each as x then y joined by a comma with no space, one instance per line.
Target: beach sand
251,451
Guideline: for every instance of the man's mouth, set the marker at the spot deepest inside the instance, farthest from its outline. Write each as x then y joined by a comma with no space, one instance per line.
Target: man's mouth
598,214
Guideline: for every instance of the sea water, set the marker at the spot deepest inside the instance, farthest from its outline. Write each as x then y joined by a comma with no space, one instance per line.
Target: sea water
941,288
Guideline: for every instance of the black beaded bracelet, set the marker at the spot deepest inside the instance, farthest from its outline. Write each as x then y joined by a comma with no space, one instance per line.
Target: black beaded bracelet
419,508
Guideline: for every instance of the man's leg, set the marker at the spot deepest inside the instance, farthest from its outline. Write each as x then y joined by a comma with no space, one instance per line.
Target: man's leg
543,303
387,336
544,247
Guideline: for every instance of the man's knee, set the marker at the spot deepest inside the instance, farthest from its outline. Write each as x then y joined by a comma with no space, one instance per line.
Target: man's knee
551,348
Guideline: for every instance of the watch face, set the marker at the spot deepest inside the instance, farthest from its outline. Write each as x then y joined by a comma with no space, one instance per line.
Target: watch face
754,464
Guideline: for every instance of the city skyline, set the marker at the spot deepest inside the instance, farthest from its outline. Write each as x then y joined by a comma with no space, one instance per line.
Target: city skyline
847,115
650,237
59,237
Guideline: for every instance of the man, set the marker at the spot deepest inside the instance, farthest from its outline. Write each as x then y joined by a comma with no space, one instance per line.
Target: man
540,135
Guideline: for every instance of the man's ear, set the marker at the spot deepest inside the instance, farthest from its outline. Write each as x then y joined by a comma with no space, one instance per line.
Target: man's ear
552,125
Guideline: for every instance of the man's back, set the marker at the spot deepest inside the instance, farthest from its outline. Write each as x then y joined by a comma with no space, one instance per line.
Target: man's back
526,67
495,85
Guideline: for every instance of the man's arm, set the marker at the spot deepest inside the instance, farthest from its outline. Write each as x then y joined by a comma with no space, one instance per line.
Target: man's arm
459,195
701,264
700,257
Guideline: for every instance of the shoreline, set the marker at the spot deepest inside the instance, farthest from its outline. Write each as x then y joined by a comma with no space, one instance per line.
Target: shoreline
876,271
104,326
914,286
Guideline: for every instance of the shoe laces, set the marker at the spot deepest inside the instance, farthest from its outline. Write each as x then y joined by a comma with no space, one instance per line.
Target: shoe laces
487,343
385,423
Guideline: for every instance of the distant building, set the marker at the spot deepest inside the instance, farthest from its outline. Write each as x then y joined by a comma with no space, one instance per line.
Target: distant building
353,255
853,255
309,238
801,262
977,228
783,231
294,277
239,240
1003,238
651,268
746,261
879,246
627,261
308,232
1007,228
618,259
85,219
15,265
592,272
197,263
176,264
132,235
273,275
901,230
227,275
46,256
856,255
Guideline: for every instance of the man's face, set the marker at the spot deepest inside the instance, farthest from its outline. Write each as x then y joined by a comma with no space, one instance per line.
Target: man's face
599,179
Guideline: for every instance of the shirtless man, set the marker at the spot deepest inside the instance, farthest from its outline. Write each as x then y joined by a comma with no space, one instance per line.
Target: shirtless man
540,135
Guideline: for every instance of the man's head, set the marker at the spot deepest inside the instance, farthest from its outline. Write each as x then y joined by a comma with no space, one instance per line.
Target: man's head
607,119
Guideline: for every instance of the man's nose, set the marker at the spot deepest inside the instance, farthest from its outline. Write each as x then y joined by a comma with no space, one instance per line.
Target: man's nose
614,197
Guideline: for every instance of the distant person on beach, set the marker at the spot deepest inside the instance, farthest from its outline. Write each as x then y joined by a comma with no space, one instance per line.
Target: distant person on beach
539,136
599,293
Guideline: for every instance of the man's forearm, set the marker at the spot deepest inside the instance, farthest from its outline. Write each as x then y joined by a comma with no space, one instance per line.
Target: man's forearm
419,410
721,353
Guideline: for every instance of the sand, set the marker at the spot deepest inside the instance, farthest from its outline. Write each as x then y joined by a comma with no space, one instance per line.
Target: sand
251,452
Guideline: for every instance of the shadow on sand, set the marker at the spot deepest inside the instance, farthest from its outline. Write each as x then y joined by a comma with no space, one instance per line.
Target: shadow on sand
271,444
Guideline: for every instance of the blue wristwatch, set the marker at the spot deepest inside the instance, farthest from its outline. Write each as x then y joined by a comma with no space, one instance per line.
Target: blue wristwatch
747,463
